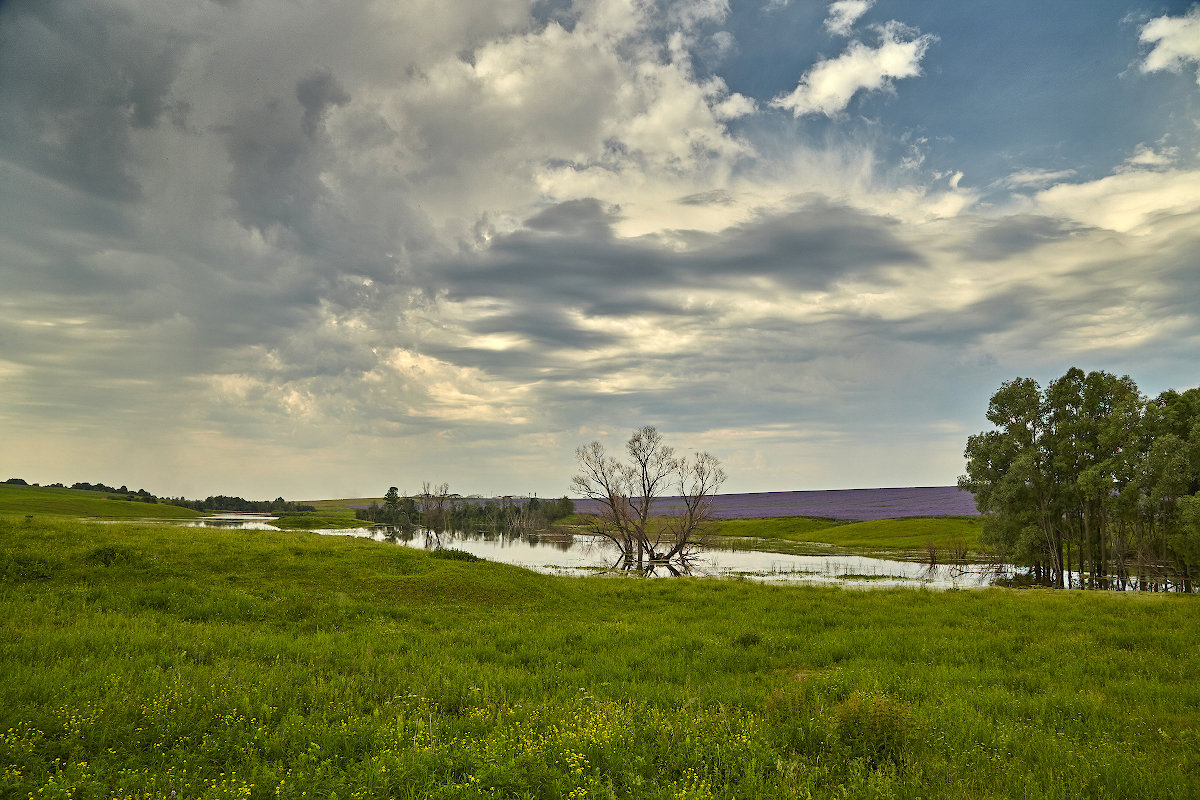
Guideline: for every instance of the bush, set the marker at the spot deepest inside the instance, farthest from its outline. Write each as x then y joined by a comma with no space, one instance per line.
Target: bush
110,555
874,727
451,554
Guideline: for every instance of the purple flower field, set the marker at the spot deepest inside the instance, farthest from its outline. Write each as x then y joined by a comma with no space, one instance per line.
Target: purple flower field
841,504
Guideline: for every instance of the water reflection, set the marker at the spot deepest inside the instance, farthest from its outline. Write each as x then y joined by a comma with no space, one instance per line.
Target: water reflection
564,553
250,522
579,554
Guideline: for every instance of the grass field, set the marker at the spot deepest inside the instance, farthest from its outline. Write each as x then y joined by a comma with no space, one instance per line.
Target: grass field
900,537
136,661
39,500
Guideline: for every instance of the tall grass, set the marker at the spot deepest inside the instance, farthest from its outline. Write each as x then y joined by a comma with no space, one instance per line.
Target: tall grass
139,661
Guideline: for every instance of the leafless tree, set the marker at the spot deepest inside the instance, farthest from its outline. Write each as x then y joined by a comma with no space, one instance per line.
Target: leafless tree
626,491
432,504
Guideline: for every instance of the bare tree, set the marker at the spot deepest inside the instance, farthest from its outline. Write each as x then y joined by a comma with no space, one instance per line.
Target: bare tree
626,491
433,505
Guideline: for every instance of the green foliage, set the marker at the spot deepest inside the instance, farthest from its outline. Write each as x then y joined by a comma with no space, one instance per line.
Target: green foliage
1084,482
874,727
441,511
453,554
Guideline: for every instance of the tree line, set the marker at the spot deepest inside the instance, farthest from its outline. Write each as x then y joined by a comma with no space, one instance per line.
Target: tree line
438,510
1089,484
223,502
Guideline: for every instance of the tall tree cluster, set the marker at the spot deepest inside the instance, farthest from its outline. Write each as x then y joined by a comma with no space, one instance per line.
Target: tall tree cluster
1090,484
436,509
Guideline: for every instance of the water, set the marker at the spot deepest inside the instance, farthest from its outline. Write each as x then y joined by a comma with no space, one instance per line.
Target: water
580,554
250,522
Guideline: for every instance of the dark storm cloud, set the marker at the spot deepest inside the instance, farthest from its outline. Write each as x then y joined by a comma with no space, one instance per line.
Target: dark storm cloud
1010,236
75,81
275,178
811,249
716,197
568,255
545,326
959,328
318,93
585,218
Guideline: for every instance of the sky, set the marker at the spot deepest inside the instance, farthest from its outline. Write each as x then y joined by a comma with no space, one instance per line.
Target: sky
314,249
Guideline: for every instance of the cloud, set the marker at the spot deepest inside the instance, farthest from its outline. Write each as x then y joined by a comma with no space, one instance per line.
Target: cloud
1126,201
844,13
318,93
829,86
384,246
1175,42
77,84
1009,236
1036,177
1147,157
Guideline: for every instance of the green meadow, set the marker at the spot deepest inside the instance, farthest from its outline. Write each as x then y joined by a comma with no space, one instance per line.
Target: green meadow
139,661
54,501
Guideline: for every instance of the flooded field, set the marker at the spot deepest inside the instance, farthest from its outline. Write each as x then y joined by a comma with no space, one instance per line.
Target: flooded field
578,554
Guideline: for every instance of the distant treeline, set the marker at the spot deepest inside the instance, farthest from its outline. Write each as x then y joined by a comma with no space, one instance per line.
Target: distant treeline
1091,484
223,502
438,510
218,502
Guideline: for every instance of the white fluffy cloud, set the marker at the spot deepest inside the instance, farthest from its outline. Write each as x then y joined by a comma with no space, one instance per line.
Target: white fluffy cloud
844,13
828,87
1175,42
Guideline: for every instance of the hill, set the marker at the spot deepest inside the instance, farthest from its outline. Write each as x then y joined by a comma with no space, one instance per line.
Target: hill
38,500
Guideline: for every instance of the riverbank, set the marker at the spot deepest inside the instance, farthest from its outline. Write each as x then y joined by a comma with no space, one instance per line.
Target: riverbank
140,660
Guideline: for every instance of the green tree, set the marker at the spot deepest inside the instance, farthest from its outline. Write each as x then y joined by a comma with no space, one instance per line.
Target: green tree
1090,479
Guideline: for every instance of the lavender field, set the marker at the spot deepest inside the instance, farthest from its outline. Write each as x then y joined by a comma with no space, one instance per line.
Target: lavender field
840,504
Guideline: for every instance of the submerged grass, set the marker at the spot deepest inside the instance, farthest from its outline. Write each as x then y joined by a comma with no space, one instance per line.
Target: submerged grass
139,661
907,536
322,519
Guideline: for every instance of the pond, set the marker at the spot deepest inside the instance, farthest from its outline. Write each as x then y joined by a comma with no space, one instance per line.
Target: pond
581,554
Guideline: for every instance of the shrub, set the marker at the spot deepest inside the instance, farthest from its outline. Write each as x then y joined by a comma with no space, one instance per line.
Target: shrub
874,727
451,554
110,555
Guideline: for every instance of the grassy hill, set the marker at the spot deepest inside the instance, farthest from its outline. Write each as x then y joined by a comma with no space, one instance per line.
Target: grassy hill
136,661
39,500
